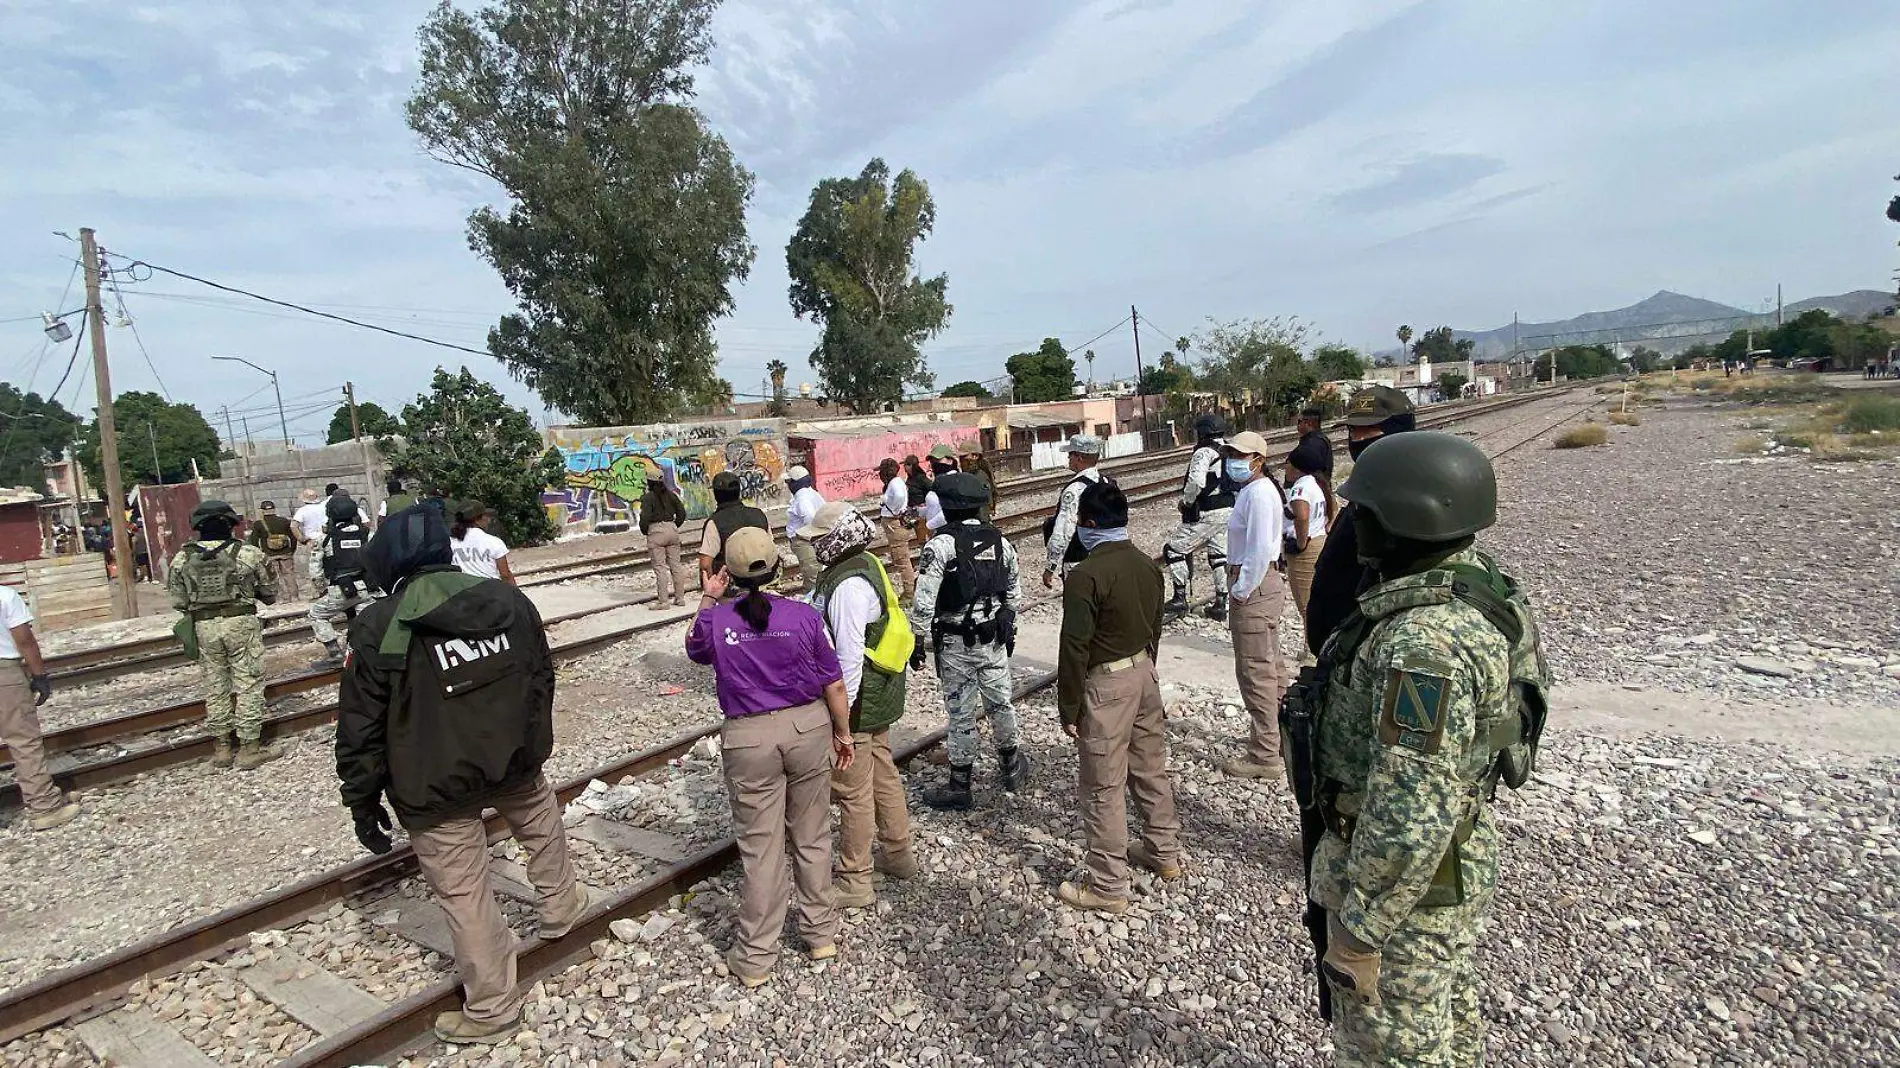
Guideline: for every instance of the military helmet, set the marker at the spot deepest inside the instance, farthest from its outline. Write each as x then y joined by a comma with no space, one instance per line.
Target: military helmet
1211,426
213,509
340,508
960,491
1428,486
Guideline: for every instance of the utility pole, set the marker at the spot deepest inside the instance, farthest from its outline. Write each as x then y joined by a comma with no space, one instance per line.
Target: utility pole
157,471
231,436
1517,352
1134,319
1778,308
108,428
362,447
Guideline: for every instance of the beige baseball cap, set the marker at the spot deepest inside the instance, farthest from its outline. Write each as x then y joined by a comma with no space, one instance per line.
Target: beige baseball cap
750,553
1247,443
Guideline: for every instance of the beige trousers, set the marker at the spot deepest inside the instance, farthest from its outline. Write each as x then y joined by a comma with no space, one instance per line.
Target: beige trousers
669,575
20,730
1124,750
284,569
1255,623
1299,573
897,535
454,859
778,775
808,567
870,797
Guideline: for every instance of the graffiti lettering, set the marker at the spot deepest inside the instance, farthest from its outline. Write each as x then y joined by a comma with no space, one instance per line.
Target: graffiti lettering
608,470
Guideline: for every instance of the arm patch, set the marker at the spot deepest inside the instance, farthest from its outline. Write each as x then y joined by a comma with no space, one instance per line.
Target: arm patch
1412,716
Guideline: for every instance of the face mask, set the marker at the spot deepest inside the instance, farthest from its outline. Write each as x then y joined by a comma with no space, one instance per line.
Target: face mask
1354,448
1093,536
1239,470
1370,535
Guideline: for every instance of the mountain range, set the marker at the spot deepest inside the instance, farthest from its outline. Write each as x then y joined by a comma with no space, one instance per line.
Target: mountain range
1666,321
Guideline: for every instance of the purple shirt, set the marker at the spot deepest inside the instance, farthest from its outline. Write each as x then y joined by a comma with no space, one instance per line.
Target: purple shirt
787,664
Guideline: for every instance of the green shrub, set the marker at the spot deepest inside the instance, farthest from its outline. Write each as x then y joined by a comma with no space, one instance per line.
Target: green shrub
1864,415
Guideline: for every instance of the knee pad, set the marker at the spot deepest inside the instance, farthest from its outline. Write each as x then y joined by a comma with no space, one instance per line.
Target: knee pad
1216,560
1170,556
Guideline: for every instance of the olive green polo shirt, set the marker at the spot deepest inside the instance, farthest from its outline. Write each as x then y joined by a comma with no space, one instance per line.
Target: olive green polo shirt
1111,610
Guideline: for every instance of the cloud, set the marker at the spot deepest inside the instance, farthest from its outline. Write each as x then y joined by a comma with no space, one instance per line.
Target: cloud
1417,181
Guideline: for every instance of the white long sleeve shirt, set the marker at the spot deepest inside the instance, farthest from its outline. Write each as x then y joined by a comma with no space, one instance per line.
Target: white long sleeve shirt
933,511
1254,534
896,498
1067,504
803,509
853,606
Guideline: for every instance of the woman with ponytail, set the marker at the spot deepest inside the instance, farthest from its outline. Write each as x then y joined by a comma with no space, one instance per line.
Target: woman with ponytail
1311,508
780,686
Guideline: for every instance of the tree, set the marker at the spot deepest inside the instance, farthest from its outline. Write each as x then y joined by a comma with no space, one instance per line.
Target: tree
1157,381
1258,355
1580,361
777,369
625,228
375,422
180,431
33,431
1438,346
464,437
1334,363
968,389
1047,374
1405,338
851,263
1451,385
1644,359
1090,357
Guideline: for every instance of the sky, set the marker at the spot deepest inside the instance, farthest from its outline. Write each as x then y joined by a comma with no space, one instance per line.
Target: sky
1357,163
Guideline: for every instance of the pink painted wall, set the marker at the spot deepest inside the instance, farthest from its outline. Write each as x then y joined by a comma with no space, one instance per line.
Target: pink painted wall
846,468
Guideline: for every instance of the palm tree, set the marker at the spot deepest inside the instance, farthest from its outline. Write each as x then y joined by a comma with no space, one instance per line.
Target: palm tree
1405,338
777,369
1090,357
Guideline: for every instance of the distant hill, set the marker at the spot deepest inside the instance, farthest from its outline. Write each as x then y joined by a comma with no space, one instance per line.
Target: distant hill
1666,321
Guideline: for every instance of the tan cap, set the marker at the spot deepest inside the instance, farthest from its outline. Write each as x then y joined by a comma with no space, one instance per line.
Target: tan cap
1248,443
750,553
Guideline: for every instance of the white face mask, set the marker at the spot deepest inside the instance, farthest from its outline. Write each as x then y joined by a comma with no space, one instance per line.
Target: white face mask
1239,470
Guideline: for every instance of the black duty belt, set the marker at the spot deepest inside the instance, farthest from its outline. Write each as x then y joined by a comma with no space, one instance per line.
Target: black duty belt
223,611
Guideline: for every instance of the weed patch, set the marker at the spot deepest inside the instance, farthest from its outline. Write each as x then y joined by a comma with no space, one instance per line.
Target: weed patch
1864,415
1626,419
1578,437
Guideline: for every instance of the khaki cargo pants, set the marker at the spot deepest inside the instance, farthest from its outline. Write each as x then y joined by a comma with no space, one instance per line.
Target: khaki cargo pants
20,730
897,535
1258,666
1123,745
870,798
671,579
778,776
231,666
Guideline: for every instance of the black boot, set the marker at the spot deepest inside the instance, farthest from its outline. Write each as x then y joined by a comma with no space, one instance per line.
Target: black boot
956,796
1015,768
1178,602
1218,610
332,655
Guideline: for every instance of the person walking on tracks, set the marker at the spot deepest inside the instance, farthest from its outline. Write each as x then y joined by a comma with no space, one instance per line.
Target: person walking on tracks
1065,550
446,707
968,593
1109,698
780,686
1256,535
277,536
336,567
661,515
805,505
477,551
1207,499
874,641
1339,576
1428,696
217,581
730,515
893,519
24,686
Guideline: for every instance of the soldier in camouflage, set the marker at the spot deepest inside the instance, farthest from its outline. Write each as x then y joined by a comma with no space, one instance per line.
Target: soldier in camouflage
968,591
1435,691
216,581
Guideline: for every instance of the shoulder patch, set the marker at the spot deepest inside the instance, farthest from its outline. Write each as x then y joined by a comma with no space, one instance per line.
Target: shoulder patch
1412,716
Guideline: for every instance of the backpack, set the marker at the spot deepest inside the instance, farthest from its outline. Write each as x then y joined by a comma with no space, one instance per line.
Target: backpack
1075,553
1496,596
210,575
343,552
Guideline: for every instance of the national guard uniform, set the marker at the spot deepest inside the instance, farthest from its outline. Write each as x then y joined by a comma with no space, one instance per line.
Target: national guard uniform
1425,698
276,536
336,567
1207,499
968,591
1058,531
216,582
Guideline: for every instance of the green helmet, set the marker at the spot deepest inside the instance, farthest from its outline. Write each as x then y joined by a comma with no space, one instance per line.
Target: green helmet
213,509
1426,486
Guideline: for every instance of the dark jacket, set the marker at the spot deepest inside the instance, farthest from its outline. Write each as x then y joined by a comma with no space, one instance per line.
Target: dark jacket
917,485
273,525
1339,577
447,699
660,505
729,519
1111,609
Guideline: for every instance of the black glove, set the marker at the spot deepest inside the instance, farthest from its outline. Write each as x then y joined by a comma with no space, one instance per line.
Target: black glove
917,656
1190,514
42,686
372,826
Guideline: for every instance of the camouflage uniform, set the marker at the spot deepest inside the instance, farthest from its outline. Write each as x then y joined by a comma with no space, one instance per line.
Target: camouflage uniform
974,674
230,647
337,602
1207,529
1405,749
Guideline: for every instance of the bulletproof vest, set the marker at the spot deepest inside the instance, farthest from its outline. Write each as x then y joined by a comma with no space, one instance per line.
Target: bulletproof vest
1217,491
212,576
1075,553
343,552
729,520
976,574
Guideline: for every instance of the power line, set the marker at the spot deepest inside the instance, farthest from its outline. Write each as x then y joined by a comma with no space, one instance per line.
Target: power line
134,265
133,323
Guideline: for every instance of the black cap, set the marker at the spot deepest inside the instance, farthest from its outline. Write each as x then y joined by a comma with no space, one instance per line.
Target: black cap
1374,405
1313,455
962,492
408,541
1103,505
726,482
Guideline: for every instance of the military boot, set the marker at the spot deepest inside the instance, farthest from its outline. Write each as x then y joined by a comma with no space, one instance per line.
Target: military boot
954,797
1218,610
1015,768
255,754
1178,602
222,751
332,655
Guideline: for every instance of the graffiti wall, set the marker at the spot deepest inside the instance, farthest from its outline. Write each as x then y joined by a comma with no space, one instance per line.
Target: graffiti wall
608,468
844,465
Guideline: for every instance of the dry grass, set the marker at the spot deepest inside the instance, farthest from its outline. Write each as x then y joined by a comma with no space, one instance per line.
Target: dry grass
1864,415
1831,448
1626,419
1752,444
1578,437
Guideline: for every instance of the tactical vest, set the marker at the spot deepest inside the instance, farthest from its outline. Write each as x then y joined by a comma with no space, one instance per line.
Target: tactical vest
977,577
212,576
1217,491
343,553
888,642
731,519
1076,552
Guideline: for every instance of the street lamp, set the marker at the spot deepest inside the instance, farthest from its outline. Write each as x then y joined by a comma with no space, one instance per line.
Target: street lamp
282,426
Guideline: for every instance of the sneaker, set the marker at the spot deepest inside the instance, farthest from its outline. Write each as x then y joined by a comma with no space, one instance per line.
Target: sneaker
1138,856
456,1029
1242,768
751,980
579,901
903,866
1083,896
255,754
58,817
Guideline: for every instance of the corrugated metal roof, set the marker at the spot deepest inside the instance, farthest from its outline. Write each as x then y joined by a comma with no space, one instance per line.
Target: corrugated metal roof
19,495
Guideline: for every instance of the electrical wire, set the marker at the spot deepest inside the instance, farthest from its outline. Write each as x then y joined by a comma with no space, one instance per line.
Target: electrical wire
1071,351
133,324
